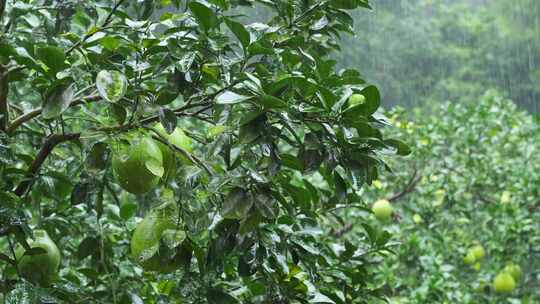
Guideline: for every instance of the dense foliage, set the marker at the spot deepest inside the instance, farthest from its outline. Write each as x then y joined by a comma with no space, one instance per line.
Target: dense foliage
235,142
472,186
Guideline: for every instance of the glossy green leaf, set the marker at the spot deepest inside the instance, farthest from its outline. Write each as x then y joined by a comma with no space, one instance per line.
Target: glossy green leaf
240,32
111,85
53,57
57,101
229,97
204,15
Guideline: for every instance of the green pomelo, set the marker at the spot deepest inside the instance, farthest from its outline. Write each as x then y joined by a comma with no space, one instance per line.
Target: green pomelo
469,258
478,252
41,268
504,282
176,138
139,168
382,210
514,270
155,238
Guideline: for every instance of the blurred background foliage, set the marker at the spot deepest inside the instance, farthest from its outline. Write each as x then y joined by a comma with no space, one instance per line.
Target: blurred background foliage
424,52
473,178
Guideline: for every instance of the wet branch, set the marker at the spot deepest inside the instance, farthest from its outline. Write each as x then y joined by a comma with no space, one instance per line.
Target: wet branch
53,140
35,113
413,181
107,21
4,106
50,143
411,185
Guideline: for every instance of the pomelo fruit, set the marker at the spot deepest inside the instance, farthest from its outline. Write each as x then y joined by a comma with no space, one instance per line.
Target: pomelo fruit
504,282
439,197
155,238
469,258
138,167
382,210
514,270
478,252
506,196
41,268
177,138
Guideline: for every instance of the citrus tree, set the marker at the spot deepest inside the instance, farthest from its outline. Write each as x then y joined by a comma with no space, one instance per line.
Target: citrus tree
466,207
168,152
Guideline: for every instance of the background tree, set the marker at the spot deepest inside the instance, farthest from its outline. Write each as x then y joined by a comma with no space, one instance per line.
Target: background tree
424,52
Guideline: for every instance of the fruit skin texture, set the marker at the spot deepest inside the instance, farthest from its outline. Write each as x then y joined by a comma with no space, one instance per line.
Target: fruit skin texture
177,138
504,282
356,99
469,258
514,270
42,268
478,252
382,210
505,197
146,247
131,167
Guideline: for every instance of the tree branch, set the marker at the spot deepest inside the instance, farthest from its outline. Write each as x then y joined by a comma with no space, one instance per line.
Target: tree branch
411,185
191,157
4,106
108,20
50,143
413,181
35,113
53,140
2,9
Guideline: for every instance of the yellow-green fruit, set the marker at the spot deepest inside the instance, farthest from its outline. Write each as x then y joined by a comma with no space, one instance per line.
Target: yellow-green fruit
155,238
506,197
356,99
469,258
514,270
39,268
417,219
439,197
177,138
504,282
478,252
139,167
382,210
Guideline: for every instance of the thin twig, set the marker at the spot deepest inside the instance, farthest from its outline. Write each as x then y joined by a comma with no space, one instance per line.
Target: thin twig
35,113
411,185
12,250
53,140
108,20
190,156
4,105
413,181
